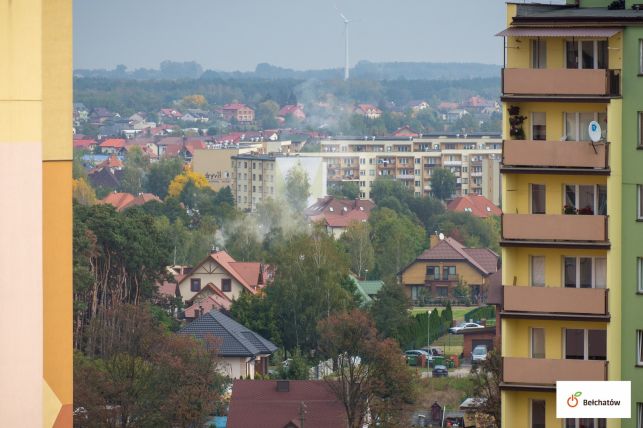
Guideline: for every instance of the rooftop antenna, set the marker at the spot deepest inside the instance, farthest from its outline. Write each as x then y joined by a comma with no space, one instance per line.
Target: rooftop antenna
346,22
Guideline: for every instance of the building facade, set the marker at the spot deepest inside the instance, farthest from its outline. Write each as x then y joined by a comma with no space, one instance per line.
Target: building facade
256,178
413,159
572,246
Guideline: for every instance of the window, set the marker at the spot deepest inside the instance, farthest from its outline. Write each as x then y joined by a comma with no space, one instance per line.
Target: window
443,291
433,272
585,272
585,199
586,54
639,274
537,414
641,72
537,198
639,193
195,284
539,53
585,423
639,347
577,125
537,343
226,284
448,272
585,344
639,415
538,126
537,271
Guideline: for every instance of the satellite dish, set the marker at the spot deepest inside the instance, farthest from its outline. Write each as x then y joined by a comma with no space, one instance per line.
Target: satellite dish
595,131
441,236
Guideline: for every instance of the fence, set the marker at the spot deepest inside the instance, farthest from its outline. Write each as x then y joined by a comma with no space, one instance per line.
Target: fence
481,312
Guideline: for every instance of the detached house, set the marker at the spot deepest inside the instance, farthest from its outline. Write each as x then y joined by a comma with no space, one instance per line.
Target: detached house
368,110
225,274
240,112
113,146
337,214
242,351
436,272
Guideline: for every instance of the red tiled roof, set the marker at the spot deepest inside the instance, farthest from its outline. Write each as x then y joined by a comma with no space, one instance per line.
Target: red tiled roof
111,162
257,403
117,143
249,271
234,106
167,288
243,272
289,109
337,212
476,205
366,107
84,144
484,260
122,201
172,150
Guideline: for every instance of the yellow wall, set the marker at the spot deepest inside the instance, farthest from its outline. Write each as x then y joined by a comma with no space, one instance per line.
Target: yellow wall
516,337
517,188
517,264
519,403
416,273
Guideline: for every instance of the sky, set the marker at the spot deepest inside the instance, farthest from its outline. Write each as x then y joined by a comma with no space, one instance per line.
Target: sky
233,35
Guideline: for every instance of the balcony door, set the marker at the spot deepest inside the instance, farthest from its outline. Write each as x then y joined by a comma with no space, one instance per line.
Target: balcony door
584,272
586,54
584,344
537,343
538,198
577,125
539,53
586,199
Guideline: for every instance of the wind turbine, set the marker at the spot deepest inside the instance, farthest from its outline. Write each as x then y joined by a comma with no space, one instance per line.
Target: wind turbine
346,22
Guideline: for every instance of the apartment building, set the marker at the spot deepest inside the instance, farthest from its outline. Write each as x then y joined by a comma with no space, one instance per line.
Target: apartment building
413,159
572,240
257,177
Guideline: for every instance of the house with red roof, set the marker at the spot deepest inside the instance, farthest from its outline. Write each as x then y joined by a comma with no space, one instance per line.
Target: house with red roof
294,111
122,201
224,273
170,113
336,214
435,274
368,110
113,163
85,144
113,146
284,404
209,298
405,131
240,112
476,205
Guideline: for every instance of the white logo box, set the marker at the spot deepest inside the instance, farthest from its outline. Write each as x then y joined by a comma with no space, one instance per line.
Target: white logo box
595,399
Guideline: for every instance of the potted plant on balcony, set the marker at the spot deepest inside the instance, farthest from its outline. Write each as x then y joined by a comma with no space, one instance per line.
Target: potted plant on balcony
516,121
569,209
586,211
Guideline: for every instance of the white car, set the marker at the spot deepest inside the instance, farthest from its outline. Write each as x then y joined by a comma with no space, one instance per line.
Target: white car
464,326
479,354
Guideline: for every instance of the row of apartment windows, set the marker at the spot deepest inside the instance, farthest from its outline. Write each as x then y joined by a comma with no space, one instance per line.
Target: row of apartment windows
582,198
578,271
584,54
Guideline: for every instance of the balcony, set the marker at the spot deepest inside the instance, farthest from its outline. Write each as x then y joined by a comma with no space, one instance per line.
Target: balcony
552,302
560,82
554,230
452,162
521,373
405,176
582,157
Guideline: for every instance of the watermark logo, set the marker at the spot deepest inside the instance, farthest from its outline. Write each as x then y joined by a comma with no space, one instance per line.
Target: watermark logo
572,401
593,399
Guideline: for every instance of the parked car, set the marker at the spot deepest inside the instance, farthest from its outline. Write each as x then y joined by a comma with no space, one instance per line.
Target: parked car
479,354
435,351
417,353
440,371
464,325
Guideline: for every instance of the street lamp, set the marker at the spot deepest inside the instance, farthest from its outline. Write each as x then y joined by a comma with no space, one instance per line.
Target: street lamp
428,340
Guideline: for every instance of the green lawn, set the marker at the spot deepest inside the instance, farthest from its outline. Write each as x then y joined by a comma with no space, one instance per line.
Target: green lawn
458,311
451,343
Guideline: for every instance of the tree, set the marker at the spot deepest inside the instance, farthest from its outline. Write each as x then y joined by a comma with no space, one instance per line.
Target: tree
180,181
193,101
390,311
297,188
82,192
442,183
131,180
78,166
371,375
161,174
345,189
267,114
360,248
397,241
295,368
257,313
486,379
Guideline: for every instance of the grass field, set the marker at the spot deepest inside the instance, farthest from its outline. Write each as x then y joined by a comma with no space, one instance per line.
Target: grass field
458,311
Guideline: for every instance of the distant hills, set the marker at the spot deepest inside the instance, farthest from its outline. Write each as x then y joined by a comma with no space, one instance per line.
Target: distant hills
170,70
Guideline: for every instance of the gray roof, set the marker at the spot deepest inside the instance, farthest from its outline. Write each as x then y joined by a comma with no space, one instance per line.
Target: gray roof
527,13
235,339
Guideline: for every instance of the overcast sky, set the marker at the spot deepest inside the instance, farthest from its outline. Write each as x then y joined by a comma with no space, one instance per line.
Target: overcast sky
301,34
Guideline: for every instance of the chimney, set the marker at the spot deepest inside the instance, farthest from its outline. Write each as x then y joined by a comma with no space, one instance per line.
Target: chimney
283,386
434,240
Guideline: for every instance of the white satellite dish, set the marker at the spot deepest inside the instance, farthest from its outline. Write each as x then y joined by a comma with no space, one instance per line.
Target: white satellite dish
441,236
595,132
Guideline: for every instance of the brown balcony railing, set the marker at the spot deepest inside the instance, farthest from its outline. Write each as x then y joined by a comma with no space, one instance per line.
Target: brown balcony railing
555,154
555,300
554,227
561,81
543,371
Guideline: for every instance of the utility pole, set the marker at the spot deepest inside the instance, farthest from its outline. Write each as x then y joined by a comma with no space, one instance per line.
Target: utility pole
428,340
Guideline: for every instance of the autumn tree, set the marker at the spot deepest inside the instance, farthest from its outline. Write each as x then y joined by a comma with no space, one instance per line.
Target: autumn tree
182,180
193,101
82,192
371,376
